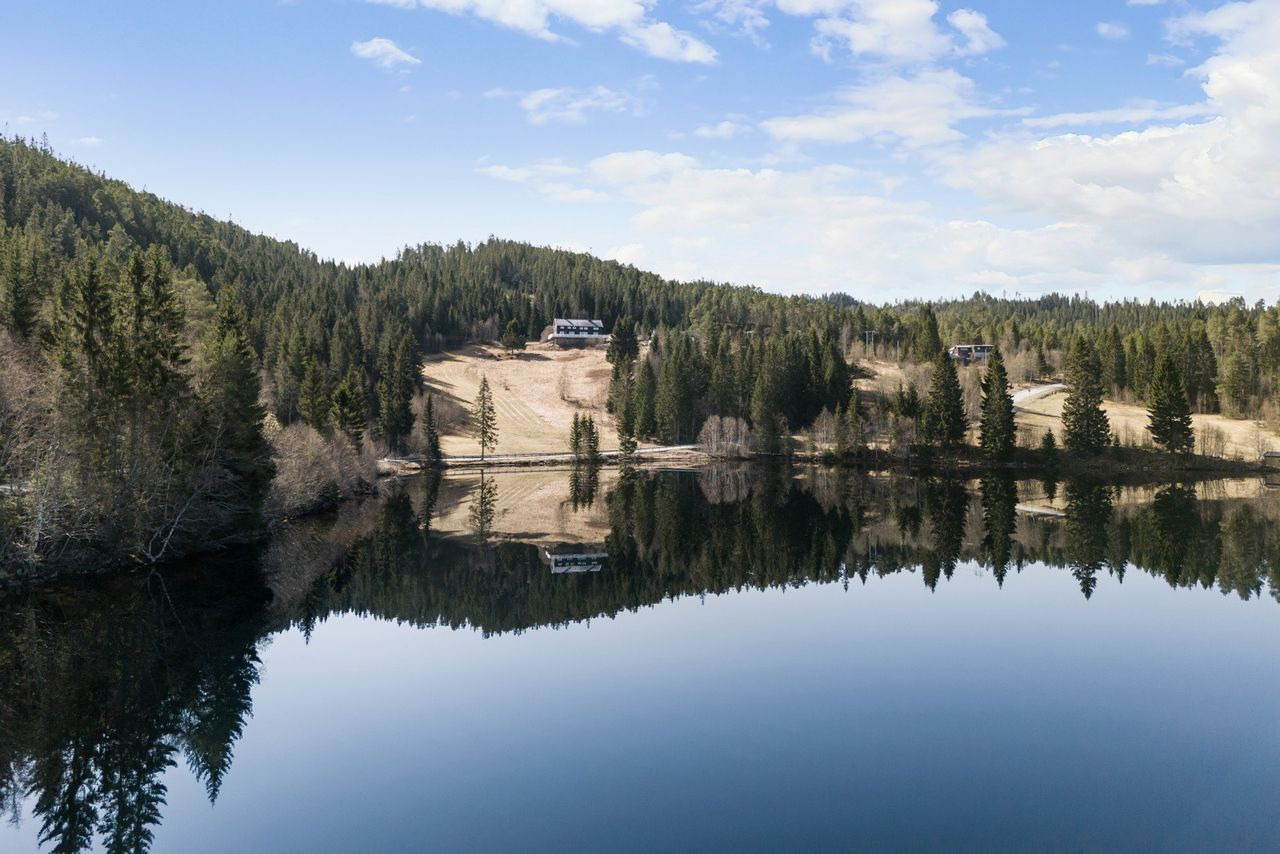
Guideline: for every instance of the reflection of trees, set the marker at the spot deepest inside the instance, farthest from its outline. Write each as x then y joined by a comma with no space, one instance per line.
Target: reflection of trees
97,701
102,688
999,521
1088,514
584,480
947,508
483,507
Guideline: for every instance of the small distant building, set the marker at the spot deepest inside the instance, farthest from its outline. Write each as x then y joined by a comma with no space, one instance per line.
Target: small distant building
567,332
570,558
967,354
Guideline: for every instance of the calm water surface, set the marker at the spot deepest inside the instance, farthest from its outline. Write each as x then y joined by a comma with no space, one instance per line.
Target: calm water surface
745,660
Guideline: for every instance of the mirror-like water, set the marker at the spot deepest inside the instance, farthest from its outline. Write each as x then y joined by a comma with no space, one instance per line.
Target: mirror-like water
720,659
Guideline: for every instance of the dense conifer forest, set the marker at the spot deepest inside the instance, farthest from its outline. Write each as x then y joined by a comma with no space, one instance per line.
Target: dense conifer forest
165,373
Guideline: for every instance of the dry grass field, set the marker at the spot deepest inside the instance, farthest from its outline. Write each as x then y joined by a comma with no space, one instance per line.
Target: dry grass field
1216,435
535,392
1225,437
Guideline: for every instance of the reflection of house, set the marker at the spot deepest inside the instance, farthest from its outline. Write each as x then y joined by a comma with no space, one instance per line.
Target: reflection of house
968,353
567,557
569,332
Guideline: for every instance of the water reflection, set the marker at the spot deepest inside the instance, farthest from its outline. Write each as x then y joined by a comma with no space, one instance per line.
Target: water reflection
105,685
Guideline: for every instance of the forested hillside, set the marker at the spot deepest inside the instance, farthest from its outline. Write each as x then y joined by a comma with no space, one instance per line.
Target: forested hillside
143,343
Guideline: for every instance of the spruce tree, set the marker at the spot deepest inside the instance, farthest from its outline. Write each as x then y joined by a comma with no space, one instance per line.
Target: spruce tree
1085,425
395,391
623,344
350,409
945,423
928,341
1168,411
513,337
646,391
315,404
431,432
591,440
484,418
229,392
998,432
575,437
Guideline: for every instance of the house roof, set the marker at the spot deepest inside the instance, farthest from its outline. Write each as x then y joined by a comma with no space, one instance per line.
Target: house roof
592,324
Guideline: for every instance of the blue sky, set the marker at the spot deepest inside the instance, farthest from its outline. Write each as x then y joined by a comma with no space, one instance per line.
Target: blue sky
886,148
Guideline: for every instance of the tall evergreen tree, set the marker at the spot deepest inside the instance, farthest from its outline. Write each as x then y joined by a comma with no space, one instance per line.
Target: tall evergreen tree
646,424
945,423
230,392
1168,411
928,341
1086,429
396,386
623,344
315,403
484,418
431,432
350,409
998,432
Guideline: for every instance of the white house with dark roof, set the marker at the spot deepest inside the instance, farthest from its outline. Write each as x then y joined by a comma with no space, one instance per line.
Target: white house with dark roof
570,331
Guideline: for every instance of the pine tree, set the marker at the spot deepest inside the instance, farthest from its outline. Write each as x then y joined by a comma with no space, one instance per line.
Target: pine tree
485,418
513,337
395,391
591,440
998,432
431,432
230,391
646,391
1084,423
945,423
928,341
1168,411
623,345
315,403
575,437
350,408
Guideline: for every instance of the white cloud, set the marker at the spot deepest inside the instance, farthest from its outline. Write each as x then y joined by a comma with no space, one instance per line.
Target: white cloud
978,35
895,32
1166,59
1143,2
1199,192
745,16
1112,30
830,227
383,52
571,106
721,130
90,141
922,109
1135,114
628,19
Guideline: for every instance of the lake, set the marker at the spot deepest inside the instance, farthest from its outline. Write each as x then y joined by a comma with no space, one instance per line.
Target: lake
734,658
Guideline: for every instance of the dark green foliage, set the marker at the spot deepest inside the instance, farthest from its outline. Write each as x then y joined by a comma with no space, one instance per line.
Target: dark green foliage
431,432
928,343
945,423
1169,412
623,344
575,436
484,419
230,390
998,433
350,407
396,385
315,403
513,337
1085,425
